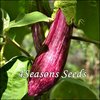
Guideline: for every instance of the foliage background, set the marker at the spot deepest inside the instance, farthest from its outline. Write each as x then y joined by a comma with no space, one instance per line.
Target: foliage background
82,55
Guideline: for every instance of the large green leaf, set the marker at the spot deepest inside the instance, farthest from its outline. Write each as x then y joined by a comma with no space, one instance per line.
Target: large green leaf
3,74
16,86
30,18
72,89
68,7
88,10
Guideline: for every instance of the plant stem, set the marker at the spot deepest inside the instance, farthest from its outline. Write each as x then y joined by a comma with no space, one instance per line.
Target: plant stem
85,39
2,46
18,46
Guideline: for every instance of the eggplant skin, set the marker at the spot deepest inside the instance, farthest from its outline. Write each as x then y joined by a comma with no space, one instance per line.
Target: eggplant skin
54,58
38,37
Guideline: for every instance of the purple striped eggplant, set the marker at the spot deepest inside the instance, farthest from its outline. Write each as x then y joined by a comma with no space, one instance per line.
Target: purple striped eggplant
52,60
38,36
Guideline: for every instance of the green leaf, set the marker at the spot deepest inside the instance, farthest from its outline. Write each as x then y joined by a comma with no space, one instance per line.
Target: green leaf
72,89
3,75
88,10
28,19
68,7
4,20
16,86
